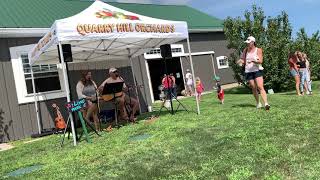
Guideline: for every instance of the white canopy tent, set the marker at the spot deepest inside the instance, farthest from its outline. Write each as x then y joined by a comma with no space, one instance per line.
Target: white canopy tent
103,32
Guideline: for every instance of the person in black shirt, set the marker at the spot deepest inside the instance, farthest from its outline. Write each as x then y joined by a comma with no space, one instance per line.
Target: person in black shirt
301,63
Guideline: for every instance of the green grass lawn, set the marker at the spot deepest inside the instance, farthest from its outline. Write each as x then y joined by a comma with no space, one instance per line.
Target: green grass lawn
230,141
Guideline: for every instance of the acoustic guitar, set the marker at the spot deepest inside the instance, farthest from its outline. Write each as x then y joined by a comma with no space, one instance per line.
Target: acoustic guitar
59,120
109,97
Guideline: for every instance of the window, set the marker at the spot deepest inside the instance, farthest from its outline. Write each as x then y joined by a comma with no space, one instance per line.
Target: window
222,62
176,49
47,78
154,51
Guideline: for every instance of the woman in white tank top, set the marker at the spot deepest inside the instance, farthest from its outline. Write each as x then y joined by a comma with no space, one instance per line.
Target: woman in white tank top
252,59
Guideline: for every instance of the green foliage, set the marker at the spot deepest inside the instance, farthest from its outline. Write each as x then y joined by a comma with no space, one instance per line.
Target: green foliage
230,141
273,35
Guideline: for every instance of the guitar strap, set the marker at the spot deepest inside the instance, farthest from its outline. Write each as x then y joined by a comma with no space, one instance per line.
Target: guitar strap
120,77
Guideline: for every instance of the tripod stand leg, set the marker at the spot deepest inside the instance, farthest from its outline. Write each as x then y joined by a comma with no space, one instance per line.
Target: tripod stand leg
162,106
178,107
182,105
90,125
64,132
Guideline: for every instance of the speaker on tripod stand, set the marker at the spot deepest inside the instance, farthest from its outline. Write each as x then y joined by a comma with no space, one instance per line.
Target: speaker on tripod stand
67,53
166,54
166,51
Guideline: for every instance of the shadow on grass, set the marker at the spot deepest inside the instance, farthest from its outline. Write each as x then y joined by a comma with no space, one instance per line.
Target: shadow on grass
289,94
163,112
238,90
243,105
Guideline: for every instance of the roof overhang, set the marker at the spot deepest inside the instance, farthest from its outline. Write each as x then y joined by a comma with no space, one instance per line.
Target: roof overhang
205,30
23,32
200,53
39,32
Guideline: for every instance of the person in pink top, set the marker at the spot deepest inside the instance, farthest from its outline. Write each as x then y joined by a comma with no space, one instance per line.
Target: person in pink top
199,88
294,70
251,59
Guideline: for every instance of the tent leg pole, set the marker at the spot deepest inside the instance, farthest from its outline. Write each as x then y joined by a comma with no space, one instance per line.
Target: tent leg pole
35,100
214,69
193,76
135,83
67,89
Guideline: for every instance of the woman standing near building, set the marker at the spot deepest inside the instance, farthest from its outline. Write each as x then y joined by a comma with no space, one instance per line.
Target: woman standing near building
252,59
189,82
87,89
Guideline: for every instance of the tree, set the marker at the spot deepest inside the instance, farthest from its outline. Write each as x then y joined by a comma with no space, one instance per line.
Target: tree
273,35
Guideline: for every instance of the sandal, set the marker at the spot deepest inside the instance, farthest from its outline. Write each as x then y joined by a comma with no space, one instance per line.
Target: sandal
108,129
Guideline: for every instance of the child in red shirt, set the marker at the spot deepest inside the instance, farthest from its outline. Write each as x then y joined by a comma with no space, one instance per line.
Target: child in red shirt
199,88
220,91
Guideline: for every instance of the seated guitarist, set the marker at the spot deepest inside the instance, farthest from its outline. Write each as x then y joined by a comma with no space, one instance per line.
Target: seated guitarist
121,98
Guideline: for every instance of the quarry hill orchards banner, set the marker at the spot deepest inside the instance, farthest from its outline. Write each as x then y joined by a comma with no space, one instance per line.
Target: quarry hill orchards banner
106,14
84,29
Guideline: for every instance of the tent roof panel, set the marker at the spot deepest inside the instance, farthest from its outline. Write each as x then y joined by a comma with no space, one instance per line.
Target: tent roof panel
88,33
42,13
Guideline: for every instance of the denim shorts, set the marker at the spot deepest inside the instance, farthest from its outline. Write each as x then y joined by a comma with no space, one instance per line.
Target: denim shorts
294,73
254,75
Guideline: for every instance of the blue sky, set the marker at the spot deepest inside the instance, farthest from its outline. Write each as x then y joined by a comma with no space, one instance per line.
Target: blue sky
302,13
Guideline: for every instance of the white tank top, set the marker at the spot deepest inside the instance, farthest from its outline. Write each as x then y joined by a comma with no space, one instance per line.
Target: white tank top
251,66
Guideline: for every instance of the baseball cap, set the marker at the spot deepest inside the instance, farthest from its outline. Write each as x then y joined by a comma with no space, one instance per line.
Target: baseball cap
250,39
112,70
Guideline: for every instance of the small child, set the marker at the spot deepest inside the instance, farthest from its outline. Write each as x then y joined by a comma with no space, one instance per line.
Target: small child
199,88
220,91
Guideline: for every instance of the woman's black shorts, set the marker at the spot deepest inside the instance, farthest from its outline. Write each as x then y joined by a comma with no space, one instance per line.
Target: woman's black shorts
253,75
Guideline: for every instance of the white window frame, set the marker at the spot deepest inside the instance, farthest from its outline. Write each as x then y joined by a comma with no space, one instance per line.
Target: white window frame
218,62
20,82
158,55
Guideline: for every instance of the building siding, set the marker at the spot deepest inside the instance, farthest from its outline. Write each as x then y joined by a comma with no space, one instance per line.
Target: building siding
6,133
201,42
19,120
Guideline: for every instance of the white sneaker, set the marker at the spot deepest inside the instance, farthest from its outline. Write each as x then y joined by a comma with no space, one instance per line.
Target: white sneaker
259,106
267,107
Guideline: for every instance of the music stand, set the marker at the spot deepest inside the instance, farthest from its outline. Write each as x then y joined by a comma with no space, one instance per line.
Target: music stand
113,88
